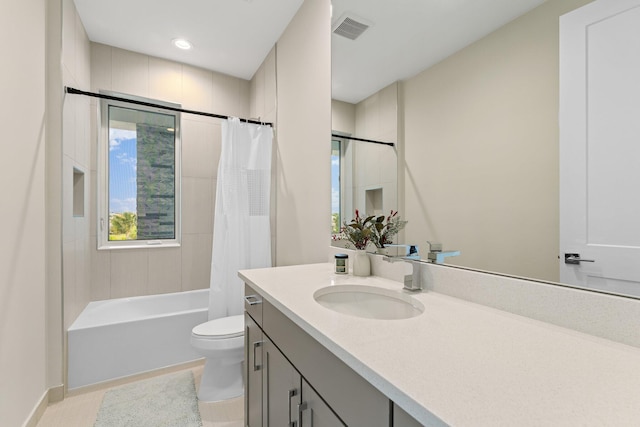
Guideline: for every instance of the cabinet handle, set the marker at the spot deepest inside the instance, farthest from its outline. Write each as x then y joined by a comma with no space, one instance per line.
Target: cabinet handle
252,300
256,345
301,408
293,392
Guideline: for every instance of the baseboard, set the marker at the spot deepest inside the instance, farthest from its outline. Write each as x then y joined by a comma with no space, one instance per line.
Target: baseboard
38,411
56,394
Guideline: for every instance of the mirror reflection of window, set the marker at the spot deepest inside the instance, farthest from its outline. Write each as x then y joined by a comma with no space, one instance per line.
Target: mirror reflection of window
336,218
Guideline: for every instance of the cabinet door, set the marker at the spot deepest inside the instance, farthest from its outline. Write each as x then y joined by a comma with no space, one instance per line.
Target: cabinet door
253,341
314,412
281,389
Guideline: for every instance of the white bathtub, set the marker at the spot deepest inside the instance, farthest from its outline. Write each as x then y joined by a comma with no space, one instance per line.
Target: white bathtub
120,337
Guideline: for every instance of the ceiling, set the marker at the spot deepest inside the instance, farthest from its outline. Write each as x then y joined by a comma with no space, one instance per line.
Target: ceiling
234,36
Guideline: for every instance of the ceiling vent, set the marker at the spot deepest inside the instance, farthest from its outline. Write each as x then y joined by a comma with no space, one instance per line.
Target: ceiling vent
350,26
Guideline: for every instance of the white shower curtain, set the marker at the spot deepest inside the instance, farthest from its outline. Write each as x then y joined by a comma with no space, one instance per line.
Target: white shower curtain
241,228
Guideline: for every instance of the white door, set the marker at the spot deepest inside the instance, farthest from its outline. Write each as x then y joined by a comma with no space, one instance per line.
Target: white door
600,146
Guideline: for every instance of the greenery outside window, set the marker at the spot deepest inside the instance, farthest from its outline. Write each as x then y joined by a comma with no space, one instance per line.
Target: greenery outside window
138,175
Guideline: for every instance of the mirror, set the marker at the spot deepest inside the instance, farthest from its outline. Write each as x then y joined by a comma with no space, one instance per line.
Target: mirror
364,174
476,121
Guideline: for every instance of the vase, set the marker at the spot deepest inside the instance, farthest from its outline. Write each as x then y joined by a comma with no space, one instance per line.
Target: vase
361,263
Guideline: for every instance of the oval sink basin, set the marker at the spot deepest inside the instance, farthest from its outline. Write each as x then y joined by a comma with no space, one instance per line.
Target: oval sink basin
368,302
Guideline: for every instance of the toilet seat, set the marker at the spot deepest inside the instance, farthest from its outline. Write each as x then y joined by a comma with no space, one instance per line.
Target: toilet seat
222,328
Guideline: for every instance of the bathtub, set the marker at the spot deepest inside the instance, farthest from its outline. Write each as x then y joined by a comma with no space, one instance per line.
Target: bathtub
125,336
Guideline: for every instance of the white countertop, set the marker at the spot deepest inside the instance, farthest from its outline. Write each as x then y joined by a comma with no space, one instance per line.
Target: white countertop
463,363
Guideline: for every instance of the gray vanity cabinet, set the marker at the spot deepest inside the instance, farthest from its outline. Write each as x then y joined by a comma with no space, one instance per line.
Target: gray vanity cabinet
281,388
291,380
316,413
253,339
291,400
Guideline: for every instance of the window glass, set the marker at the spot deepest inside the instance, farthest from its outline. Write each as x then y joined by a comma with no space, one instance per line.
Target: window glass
141,176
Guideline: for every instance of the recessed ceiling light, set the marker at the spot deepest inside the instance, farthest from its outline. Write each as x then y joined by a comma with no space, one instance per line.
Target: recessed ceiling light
182,44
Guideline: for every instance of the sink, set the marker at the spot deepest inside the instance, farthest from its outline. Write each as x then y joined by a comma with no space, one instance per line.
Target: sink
369,302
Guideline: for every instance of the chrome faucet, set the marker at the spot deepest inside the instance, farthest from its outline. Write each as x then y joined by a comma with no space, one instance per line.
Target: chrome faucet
437,255
413,281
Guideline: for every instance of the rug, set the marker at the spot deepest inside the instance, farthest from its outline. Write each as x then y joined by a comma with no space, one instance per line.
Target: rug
165,401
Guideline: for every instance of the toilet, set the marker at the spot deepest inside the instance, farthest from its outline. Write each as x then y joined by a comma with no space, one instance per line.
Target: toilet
221,342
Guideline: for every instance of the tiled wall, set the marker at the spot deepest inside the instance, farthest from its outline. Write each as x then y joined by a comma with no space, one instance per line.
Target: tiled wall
76,249
131,272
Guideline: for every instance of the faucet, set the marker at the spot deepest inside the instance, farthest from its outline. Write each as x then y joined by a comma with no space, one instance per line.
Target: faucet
413,281
437,255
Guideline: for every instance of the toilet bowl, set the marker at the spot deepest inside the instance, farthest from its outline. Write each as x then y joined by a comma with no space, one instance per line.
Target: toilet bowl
221,342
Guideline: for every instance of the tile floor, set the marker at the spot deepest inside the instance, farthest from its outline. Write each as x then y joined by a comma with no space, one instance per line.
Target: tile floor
80,410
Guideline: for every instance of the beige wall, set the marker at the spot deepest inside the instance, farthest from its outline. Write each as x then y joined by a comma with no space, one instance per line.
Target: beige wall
23,355
481,136
130,272
303,221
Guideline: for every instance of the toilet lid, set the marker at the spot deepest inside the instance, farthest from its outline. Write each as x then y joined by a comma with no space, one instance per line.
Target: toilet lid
224,327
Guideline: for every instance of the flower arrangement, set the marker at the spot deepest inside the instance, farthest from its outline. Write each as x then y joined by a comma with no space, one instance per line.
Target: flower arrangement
378,230
386,230
360,231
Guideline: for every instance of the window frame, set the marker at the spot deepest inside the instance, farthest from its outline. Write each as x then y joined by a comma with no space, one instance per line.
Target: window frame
102,195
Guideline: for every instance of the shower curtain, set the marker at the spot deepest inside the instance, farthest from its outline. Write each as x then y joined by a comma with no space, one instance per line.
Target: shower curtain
241,227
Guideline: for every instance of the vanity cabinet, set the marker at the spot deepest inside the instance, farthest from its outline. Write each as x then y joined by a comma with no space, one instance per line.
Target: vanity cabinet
293,380
253,341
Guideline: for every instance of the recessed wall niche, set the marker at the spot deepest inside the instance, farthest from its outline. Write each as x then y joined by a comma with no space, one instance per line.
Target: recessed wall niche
78,193
373,200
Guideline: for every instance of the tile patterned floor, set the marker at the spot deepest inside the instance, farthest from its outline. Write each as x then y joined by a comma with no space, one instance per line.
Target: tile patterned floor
80,410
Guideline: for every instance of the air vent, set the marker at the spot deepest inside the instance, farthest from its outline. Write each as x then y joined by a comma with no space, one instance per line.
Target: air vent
350,26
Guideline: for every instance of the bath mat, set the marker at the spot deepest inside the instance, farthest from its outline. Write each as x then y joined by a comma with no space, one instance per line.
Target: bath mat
165,401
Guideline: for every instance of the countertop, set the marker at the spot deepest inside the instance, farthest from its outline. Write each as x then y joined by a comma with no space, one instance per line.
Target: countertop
465,364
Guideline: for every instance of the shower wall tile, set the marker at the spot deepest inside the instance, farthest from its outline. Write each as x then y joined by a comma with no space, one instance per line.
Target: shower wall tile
100,272
101,67
197,93
68,224
93,136
270,86
76,230
129,272
227,96
257,95
69,34
82,55
200,148
82,272
165,270
82,132
197,205
165,80
91,210
69,280
69,123
130,72
196,261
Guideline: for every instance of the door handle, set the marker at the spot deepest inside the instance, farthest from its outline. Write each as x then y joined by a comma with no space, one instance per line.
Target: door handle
301,408
575,259
255,346
252,300
293,392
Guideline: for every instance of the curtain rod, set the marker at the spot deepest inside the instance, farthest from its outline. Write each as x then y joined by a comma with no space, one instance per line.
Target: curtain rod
151,104
390,144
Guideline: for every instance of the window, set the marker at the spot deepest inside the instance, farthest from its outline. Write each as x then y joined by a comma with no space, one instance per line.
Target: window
139,175
336,220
